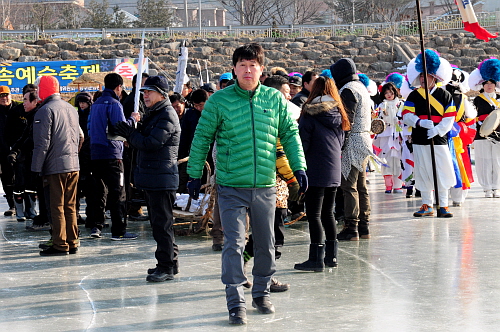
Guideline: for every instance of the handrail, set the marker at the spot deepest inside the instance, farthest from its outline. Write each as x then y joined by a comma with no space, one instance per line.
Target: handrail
404,28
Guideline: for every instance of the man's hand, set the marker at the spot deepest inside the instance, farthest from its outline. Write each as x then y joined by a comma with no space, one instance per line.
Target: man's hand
12,157
194,186
432,132
302,180
136,116
123,129
427,124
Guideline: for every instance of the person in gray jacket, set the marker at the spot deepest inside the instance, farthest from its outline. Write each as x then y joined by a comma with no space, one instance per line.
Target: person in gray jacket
157,143
57,137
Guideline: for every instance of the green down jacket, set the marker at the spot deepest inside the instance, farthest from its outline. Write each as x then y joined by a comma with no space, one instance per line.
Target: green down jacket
246,126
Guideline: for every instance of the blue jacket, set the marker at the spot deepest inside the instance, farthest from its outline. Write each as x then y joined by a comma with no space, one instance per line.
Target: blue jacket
104,113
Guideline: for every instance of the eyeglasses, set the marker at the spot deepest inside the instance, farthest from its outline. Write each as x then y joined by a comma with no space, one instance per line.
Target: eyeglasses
4,95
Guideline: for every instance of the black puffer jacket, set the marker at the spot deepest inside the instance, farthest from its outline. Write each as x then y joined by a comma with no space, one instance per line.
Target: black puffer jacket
157,142
320,129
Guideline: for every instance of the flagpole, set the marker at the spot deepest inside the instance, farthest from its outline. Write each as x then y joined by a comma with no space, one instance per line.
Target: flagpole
427,100
138,81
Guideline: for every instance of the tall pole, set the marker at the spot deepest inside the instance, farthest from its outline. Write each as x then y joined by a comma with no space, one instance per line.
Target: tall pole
199,13
186,23
242,12
424,63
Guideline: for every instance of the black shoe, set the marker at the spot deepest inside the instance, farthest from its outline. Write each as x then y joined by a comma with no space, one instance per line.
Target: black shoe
348,234
263,305
151,271
238,316
278,287
217,247
159,276
73,251
51,251
10,212
138,217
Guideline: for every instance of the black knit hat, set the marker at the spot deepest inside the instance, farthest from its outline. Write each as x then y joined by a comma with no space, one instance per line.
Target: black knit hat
84,96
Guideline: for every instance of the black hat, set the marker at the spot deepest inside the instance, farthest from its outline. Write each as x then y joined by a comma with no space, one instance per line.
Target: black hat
156,83
85,97
295,80
209,87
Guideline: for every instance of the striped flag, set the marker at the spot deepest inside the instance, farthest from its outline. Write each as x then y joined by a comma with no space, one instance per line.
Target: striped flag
470,21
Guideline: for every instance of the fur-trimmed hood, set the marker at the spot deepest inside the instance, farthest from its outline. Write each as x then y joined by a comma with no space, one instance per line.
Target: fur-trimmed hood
320,104
324,109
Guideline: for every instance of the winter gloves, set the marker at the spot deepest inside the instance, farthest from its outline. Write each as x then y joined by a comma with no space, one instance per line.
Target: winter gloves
194,186
302,180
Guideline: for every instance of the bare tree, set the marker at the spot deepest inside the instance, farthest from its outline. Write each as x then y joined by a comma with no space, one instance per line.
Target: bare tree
307,12
5,14
43,16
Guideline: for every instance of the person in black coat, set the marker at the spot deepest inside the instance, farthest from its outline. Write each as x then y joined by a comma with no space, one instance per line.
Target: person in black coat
321,127
157,142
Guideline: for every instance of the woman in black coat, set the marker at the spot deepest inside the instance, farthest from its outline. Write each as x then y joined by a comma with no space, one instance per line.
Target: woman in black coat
157,143
321,127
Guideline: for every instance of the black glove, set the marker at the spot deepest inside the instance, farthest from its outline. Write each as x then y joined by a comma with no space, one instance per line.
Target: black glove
302,180
12,157
194,186
123,129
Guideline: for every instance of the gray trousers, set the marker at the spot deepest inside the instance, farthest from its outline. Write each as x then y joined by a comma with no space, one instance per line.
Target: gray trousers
234,204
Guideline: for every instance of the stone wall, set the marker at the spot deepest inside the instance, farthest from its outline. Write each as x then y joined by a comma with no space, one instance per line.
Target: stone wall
374,55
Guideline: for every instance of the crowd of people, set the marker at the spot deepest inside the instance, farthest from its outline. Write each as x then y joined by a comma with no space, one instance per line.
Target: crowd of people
282,144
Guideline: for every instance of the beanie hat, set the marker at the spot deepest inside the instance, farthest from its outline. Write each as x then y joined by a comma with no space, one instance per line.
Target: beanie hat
85,97
47,87
226,76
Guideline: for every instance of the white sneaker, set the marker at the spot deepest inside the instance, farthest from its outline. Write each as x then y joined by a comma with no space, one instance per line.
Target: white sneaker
488,193
496,193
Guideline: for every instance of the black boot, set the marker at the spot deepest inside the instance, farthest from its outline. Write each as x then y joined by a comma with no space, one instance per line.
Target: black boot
10,200
363,231
350,232
315,262
331,248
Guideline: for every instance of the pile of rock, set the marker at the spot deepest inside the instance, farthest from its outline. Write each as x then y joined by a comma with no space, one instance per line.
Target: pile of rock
374,55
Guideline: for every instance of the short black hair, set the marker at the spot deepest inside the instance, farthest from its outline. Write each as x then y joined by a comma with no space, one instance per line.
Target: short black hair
176,97
308,75
199,96
28,88
275,81
134,79
251,51
112,80
31,95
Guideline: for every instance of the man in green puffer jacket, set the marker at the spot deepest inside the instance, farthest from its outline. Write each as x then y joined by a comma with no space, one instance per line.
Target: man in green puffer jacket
246,119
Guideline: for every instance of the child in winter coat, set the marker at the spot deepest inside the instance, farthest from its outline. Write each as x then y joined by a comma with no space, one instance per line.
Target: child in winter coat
391,139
